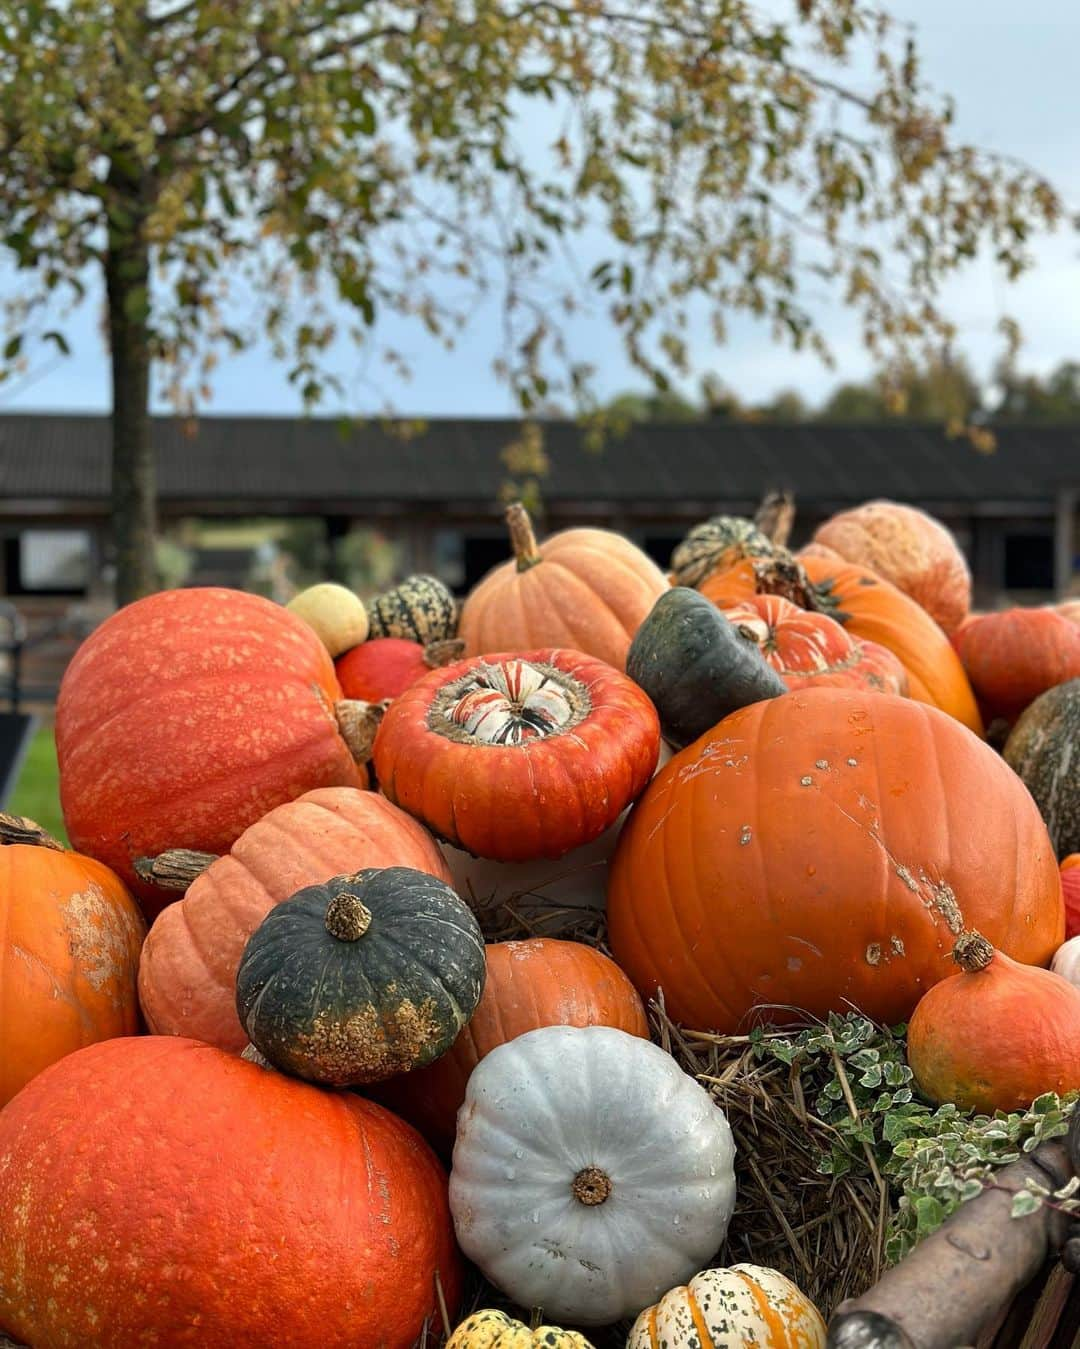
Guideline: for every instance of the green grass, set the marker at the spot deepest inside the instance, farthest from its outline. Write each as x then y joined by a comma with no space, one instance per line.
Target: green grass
37,793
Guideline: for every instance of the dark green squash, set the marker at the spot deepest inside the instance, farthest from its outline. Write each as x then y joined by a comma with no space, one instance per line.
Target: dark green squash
696,666
1044,749
361,978
420,609
718,544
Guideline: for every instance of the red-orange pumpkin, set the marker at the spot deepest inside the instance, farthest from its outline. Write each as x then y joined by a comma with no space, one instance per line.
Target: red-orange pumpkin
1071,610
187,974
384,667
69,952
540,982
812,650
822,851
160,1191
1013,656
184,718
1070,888
517,756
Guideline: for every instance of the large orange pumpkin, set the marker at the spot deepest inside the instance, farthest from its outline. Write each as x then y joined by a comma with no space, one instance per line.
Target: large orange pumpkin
822,851
69,952
184,718
540,982
873,610
159,1191
909,548
587,589
187,974
1013,656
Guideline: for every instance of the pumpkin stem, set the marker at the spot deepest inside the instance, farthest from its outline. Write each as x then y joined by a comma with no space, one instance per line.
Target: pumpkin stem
591,1186
972,952
776,516
174,869
347,918
358,721
522,538
438,654
788,579
18,829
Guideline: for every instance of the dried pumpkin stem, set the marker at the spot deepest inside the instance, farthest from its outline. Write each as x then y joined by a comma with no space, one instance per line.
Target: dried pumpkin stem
776,517
777,576
591,1186
252,1055
358,721
175,869
18,829
522,538
972,952
347,917
438,654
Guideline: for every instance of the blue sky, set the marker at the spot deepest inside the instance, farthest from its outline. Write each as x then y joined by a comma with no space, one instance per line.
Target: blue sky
1012,70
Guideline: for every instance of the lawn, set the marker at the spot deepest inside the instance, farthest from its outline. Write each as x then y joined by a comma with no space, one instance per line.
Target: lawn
37,793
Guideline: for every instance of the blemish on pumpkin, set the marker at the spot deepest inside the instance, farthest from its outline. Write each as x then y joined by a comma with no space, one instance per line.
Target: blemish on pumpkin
873,954
745,835
853,763
100,945
807,781
897,945
908,879
367,1046
822,764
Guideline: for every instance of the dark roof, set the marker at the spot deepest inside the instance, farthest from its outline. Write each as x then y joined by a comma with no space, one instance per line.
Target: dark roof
274,460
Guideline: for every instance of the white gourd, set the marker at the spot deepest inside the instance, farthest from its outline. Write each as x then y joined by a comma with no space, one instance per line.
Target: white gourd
590,1173
1066,961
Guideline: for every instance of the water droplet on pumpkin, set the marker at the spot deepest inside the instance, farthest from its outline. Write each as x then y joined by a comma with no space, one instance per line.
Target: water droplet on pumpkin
518,1153
811,870
675,1221
510,1173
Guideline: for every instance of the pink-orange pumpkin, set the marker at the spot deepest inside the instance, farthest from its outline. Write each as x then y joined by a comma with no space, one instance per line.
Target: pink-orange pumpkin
1070,888
1013,656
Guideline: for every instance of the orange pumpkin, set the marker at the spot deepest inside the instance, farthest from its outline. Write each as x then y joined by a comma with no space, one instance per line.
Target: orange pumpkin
1070,608
70,935
1013,656
996,1035
159,1191
909,548
187,975
384,667
540,982
822,851
586,589
873,610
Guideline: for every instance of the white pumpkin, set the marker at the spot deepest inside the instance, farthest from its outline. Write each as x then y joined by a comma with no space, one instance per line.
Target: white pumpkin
1066,961
590,1173
337,615
731,1309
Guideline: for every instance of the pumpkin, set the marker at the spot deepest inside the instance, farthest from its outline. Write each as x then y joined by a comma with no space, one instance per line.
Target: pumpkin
386,666
1044,749
420,609
730,1309
518,756
336,615
1070,889
996,1035
590,1172
185,717
1066,961
1070,608
160,1191
809,650
69,953
187,973
1014,656
696,666
539,982
872,610
909,548
587,589
495,1330
361,977
716,545
823,851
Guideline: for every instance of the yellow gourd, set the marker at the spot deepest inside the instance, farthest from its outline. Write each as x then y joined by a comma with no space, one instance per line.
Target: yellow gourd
337,615
495,1330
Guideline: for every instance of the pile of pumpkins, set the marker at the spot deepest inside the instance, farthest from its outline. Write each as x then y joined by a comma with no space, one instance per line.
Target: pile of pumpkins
771,767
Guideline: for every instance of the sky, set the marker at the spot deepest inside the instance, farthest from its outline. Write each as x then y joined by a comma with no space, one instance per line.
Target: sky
1012,71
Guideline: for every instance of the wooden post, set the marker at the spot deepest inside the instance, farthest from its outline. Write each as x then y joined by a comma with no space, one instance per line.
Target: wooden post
1064,540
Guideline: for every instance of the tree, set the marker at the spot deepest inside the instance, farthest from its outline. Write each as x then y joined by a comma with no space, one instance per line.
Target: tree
363,157
1027,398
943,389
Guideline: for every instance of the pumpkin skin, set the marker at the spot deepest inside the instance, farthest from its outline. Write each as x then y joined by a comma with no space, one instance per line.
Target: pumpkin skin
1042,749
696,666
248,1208
1070,608
362,977
820,852
729,1309
386,666
337,616
518,756
909,548
187,973
1014,656
534,983
1066,961
184,718
496,1330
70,935
873,610
563,1119
1070,889
996,1035
717,545
420,609
586,589
810,650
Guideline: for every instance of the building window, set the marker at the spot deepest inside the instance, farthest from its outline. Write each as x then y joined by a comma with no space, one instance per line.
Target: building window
49,562
1029,561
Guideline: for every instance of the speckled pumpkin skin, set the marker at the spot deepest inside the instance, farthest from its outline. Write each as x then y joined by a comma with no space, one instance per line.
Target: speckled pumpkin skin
1044,748
495,1330
184,718
160,1192
420,609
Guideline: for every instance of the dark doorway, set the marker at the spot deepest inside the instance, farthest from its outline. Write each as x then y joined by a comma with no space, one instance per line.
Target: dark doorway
480,555
1029,561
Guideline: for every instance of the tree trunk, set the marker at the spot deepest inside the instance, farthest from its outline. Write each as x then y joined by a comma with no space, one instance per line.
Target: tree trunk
134,470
